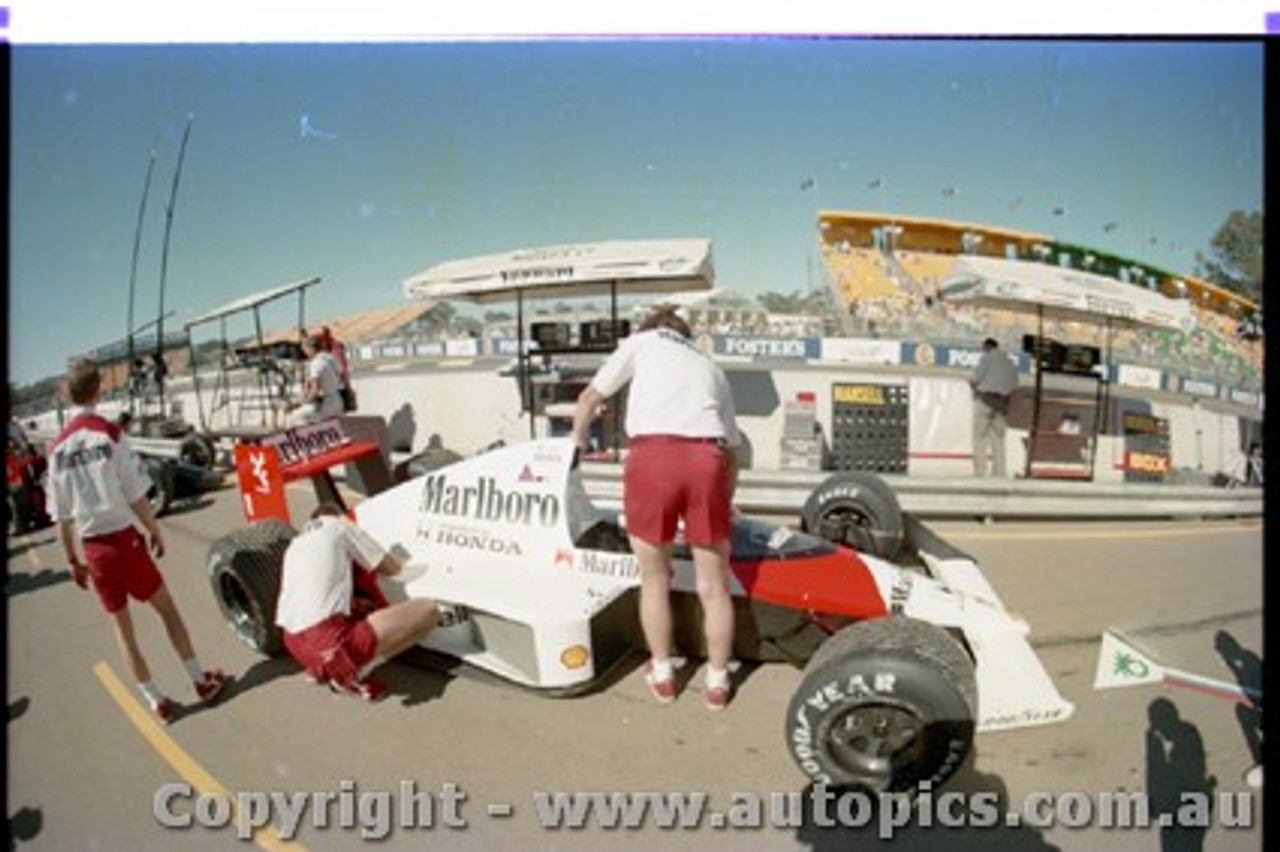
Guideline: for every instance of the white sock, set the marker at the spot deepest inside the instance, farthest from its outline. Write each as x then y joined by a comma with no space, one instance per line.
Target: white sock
193,669
661,669
717,677
149,692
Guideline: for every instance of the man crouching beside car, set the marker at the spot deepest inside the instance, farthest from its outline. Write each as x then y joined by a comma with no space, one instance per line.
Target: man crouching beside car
335,645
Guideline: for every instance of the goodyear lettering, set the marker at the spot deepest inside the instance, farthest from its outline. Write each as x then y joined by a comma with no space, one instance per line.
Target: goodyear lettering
485,501
1023,717
813,755
861,394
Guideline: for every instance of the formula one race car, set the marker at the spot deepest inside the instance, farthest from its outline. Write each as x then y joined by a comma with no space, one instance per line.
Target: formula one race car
906,649
174,480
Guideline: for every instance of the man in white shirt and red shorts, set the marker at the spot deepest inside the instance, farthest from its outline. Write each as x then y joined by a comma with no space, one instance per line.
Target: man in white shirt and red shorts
336,644
680,466
97,486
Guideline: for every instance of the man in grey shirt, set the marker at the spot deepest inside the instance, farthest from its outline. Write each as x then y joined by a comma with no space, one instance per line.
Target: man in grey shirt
994,379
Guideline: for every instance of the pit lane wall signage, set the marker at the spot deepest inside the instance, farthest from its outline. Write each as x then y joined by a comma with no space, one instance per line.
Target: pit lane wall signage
1146,447
766,348
839,350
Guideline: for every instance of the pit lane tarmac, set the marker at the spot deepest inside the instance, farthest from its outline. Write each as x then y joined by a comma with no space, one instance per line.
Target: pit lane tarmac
85,774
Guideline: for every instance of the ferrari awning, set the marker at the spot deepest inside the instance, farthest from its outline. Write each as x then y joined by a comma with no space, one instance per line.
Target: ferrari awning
580,269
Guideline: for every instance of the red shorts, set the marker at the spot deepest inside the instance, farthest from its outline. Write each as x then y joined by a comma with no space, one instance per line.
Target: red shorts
336,649
670,477
121,567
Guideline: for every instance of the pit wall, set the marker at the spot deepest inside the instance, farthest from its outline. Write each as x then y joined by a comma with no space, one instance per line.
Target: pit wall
453,392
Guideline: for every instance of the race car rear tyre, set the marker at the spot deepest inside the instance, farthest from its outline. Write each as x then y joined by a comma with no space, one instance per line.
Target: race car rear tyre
196,450
163,488
884,706
244,571
858,509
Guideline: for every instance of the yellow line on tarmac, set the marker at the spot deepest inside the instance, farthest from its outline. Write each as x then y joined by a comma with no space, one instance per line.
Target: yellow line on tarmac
1164,532
182,763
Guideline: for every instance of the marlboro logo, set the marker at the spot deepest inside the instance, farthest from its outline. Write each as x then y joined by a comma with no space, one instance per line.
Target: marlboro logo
484,500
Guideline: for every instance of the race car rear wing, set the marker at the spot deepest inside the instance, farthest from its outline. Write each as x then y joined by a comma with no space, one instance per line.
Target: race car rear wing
263,468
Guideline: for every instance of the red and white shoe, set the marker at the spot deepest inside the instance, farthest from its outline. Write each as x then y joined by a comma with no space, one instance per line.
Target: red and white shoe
717,690
367,689
717,697
166,710
211,685
663,689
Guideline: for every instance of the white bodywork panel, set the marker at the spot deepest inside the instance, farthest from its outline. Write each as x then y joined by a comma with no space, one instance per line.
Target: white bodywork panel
492,539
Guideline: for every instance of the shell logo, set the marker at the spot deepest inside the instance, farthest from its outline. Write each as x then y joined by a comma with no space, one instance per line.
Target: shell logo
574,657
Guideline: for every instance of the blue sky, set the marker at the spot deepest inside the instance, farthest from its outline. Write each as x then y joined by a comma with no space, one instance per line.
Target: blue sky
419,153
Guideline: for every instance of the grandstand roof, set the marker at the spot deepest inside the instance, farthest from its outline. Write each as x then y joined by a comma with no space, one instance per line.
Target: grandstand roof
355,328
915,228
927,234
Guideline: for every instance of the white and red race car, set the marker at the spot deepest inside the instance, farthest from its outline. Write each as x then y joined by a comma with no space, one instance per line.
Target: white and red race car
906,649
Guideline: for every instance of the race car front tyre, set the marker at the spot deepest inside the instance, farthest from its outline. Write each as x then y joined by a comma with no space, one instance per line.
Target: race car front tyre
163,488
244,571
884,706
858,509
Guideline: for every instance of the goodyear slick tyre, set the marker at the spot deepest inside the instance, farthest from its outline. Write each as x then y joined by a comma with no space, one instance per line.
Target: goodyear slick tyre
244,570
857,509
884,706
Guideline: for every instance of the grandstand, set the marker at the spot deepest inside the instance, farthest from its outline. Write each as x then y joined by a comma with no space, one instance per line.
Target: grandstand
885,270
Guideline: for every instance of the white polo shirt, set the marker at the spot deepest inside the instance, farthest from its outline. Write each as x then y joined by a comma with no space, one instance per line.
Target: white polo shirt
316,579
94,475
675,389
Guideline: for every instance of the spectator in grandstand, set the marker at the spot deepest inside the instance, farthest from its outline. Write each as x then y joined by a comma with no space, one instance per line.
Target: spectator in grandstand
994,379
680,465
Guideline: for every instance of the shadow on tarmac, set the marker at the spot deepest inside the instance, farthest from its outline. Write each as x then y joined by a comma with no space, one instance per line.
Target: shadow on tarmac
186,505
19,584
937,820
16,545
1175,767
1246,665
261,672
26,822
